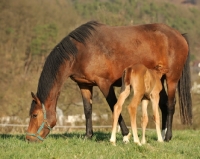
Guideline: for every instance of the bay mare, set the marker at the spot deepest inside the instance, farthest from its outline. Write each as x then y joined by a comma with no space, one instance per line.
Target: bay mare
96,54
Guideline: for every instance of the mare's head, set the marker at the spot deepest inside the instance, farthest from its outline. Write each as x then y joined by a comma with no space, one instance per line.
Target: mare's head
56,68
42,120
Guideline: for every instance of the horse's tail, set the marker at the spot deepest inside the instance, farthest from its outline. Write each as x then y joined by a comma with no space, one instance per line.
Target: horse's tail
184,85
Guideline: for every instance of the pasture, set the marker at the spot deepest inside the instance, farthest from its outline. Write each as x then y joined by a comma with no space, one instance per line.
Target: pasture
185,144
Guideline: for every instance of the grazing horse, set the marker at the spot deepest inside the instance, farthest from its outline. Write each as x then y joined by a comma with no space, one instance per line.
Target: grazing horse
147,86
96,54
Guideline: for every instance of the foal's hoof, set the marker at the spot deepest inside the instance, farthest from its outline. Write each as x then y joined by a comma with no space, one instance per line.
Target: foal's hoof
126,138
138,143
161,140
143,142
113,143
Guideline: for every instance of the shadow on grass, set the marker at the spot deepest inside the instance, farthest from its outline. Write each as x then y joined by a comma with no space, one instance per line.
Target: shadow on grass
8,136
102,136
67,135
97,136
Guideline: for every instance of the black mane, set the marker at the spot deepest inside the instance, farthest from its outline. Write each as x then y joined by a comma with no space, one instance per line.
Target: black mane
62,51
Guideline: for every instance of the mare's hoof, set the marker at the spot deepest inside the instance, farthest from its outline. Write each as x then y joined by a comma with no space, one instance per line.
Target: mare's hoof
126,138
164,131
167,139
88,137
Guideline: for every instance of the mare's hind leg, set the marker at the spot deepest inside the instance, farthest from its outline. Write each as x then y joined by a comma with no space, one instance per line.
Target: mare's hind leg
144,119
117,110
163,107
171,88
86,92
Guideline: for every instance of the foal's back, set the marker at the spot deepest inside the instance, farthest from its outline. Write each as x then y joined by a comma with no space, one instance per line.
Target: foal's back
143,80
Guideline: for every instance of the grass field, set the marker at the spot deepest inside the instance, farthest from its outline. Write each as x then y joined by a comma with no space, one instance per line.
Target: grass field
184,145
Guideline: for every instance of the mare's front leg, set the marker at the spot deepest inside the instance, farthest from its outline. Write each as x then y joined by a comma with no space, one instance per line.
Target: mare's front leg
117,110
86,92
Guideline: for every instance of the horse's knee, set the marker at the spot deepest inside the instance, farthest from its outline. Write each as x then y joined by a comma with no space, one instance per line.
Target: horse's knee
156,119
131,109
125,93
88,112
117,108
171,107
144,120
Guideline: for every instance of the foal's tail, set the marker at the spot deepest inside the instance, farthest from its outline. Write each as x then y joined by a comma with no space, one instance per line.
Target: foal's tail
126,77
184,85
123,83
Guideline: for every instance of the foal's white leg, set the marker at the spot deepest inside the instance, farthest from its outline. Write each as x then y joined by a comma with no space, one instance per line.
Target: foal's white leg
144,119
155,101
117,111
133,111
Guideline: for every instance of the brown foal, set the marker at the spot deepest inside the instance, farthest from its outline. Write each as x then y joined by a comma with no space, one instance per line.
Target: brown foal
147,86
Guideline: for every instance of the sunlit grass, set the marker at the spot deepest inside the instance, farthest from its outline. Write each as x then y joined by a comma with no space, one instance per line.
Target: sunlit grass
185,144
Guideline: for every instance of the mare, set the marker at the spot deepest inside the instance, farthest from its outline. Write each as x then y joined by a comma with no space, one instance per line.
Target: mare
95,54
147,86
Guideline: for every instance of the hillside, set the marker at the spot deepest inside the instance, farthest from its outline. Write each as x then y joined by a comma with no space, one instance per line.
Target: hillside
29,30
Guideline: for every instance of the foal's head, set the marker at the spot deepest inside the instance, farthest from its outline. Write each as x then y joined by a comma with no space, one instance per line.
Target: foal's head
42,120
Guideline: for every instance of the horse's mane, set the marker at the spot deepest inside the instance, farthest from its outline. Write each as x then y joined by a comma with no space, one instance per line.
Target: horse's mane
62,51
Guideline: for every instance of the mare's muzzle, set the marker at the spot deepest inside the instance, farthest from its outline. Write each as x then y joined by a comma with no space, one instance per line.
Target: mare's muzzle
42,126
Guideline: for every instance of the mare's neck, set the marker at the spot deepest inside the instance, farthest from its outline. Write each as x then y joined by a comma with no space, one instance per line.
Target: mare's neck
54,92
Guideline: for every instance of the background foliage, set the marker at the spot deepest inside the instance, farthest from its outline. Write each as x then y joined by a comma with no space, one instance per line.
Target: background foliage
30,29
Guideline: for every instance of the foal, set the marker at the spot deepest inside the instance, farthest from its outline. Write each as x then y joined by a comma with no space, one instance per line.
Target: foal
147,86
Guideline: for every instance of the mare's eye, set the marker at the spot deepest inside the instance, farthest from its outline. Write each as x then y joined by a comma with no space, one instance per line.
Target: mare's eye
34,116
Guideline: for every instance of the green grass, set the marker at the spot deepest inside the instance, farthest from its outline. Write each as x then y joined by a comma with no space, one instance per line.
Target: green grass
185,144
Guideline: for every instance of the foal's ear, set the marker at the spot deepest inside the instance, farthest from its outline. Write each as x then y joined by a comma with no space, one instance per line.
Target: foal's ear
35,98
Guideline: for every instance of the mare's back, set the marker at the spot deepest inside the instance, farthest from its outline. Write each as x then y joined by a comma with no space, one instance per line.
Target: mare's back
126,45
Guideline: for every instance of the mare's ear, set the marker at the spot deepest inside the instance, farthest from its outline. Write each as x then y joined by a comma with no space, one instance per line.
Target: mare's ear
35,98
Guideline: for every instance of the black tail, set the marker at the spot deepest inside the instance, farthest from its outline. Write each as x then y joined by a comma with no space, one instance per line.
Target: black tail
184,85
